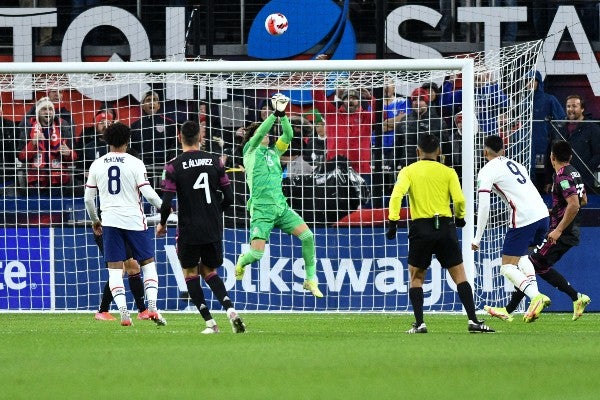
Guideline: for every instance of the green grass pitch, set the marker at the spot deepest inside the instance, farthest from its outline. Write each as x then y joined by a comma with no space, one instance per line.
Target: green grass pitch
298,356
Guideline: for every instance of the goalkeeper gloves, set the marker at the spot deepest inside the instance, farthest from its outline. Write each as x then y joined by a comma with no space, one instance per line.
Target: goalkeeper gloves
459,222
279,103
392,229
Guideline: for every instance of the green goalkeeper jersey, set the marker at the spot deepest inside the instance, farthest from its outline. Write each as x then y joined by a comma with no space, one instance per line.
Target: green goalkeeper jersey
263,166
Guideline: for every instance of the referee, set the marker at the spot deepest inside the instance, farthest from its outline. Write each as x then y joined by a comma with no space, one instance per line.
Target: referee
431,186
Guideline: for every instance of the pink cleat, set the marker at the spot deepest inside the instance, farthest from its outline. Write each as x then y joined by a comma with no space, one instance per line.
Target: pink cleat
104,316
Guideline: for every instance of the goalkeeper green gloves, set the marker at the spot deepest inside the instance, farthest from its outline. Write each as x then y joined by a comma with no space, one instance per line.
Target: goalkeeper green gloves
392,229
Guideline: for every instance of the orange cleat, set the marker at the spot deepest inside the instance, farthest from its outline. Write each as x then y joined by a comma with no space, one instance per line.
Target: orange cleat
104,316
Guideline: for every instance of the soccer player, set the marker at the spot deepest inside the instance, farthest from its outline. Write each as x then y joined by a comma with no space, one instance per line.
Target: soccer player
203,191
528,219
120,177
134,276
431,186
267,205
568,195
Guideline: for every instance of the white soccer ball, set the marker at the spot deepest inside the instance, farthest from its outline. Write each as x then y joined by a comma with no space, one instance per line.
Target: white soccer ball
276,24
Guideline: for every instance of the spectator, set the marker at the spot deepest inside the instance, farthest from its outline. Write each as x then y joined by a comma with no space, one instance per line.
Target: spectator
584,137
434,97
454,146
91,145
545,106
48,150
153,136
420,120
509,31
315,149
45,32
62,116
490,100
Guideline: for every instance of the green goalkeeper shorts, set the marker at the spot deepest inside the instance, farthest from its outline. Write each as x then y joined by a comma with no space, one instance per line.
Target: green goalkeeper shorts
264,218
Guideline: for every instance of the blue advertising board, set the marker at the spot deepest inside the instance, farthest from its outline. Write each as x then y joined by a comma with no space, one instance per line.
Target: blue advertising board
42,269
26,275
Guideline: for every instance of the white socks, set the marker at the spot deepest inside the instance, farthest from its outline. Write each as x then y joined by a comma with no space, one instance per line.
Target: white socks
150,284
525,283
117,288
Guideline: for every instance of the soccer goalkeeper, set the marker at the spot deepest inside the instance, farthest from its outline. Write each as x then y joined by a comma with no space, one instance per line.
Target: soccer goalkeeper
267,205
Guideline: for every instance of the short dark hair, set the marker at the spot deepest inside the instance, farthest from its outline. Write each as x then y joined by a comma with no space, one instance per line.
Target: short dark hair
429,143
494,142
562,150
190,130
117,134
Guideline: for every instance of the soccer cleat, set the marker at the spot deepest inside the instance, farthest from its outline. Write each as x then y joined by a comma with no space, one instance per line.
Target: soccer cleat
499,312
479,326
313,287
143,315
239,272
237,325
125,318
579,305
417,329
538,303
157,318
104,316
211,327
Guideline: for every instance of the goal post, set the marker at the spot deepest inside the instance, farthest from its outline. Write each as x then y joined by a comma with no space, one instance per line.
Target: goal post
345,207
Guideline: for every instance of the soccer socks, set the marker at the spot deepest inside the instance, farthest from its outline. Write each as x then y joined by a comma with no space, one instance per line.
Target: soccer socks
137,289
465,293
107,298
215,283
117,288
416,299
308,254
150,284
527,285
515,300
249,257
554,278
197,296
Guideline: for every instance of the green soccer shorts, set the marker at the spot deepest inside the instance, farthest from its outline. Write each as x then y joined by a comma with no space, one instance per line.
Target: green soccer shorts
264,218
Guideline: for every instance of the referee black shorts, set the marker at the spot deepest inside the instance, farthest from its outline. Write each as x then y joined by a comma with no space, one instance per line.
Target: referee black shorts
209,254
424,240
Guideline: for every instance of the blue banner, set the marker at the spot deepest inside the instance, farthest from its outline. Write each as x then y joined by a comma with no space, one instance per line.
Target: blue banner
356,272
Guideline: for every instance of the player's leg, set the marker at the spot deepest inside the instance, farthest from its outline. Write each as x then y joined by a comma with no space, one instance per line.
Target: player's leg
543,259
114,254
143,251
103,314
211,259
261,224
188,259
292,223
415,294
134,274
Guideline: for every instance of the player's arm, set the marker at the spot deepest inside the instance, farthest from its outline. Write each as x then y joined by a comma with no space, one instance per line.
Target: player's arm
483,213
458,200
570,213
165,211
285,139
261,132
400,189
225,185
150,194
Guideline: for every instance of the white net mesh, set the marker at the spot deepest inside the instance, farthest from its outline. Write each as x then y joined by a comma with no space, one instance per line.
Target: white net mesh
52,261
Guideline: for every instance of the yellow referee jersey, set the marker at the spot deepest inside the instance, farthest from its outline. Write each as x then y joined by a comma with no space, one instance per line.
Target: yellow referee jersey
431,187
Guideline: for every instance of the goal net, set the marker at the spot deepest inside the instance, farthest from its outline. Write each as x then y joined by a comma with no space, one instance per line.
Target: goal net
355,124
